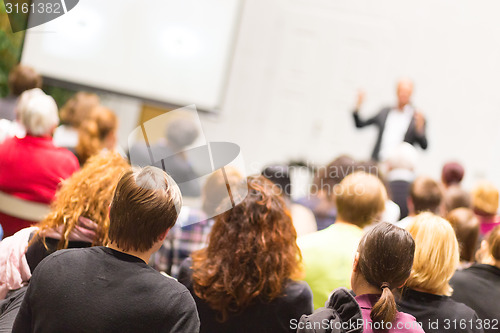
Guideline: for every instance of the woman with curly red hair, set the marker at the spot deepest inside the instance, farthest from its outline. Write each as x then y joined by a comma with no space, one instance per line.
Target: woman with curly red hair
244,280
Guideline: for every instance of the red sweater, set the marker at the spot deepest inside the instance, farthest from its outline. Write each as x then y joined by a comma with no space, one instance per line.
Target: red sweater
31,168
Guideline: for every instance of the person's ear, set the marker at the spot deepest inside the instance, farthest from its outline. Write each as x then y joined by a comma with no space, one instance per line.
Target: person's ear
355,263
163,235
52,131
482,252
409,203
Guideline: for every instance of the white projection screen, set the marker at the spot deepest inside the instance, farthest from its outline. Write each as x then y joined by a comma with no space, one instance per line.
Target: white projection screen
169,51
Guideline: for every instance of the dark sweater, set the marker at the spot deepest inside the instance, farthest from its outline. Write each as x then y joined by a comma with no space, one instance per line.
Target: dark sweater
263,317
479,287
98,289
439,314
37,251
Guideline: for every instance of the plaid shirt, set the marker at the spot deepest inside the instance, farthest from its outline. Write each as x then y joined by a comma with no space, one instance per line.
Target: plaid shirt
185,237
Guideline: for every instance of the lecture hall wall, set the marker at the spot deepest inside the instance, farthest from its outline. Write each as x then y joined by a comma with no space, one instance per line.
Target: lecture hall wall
298,64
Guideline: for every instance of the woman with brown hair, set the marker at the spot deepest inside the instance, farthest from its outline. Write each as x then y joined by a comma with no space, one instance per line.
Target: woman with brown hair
383,263
96,133
73,114
244,280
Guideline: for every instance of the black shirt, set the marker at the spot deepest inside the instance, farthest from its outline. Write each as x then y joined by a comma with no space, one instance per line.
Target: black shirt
479,287
98,289
37,251
439,314
262,317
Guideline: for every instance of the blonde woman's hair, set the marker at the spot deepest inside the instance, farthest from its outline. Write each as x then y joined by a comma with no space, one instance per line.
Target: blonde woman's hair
485,198
87,193
436,254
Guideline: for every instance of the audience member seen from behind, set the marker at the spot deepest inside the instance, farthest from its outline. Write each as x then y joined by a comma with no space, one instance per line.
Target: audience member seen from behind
426,295
391,211
321,200
118,291
78,218
401,174
302,217
383,262
485,206
328,254
479,285
452,174
32,167
193,227
456,197
21,78
97,133
244,281
72,114
180,133
425,196
466,226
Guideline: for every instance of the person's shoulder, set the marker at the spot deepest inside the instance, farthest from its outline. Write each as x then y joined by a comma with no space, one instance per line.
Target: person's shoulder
9,141
409,323
174,293
163,281
312,240
186,273
298,290
65,154
404,317
462,276
459,309
64,257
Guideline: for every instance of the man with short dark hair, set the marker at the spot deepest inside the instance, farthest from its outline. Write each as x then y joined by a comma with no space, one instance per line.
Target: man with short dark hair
112,289
425,196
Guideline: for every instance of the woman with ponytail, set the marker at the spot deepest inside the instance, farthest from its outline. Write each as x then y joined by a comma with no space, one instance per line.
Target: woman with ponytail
96,133
383,263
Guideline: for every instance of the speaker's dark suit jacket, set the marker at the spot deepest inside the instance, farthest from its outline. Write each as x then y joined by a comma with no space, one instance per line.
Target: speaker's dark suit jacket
379,120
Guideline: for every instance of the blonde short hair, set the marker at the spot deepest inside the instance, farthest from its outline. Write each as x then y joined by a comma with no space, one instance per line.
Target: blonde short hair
436,254
360,198
485,197
37,112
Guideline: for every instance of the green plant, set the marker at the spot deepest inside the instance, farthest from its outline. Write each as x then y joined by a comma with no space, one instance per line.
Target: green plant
10,47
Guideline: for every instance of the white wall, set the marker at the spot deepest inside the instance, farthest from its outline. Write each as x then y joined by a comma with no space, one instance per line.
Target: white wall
299,63
298,66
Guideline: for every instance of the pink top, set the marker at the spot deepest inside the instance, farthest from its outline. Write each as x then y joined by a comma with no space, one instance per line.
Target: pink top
404,322
487,223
